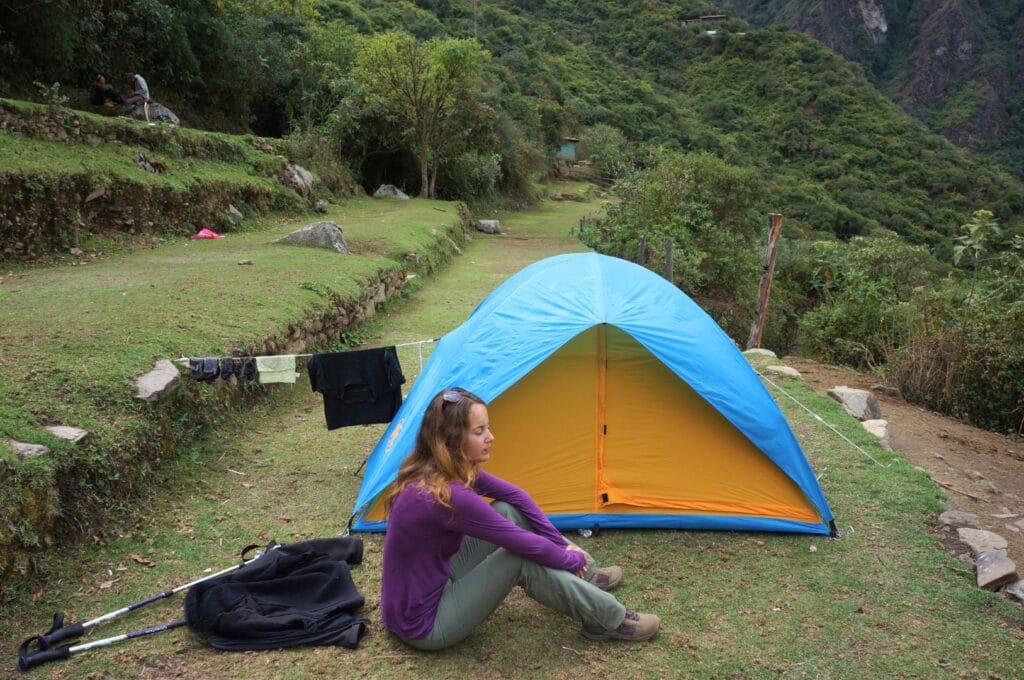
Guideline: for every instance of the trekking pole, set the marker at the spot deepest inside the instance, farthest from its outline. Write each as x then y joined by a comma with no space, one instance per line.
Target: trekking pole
59,632
27,660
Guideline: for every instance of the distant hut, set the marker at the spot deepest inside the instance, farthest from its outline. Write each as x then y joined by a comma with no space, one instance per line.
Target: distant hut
705,19
567,152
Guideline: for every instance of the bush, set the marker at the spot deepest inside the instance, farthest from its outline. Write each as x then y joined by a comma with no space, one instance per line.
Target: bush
709,212
863,289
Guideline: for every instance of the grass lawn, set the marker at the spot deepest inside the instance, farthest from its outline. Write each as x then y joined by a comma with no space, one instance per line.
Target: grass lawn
884,601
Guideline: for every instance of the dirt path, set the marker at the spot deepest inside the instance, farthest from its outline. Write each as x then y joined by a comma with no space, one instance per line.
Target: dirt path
982,472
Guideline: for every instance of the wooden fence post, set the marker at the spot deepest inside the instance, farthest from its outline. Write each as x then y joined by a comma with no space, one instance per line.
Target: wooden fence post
765,288
668,259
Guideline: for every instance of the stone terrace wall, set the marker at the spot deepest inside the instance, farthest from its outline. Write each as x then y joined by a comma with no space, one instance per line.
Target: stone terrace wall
50,500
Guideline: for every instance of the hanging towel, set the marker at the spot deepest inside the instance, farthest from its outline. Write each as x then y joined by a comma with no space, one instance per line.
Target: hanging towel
359,387
276,369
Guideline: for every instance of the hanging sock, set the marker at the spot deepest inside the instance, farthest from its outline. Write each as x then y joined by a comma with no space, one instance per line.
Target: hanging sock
276,369
228,367
248,369
359,387
204,369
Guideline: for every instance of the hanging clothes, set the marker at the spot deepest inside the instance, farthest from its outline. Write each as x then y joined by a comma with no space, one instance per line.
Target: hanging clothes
359,387
248,369
205,369
228,367
278,368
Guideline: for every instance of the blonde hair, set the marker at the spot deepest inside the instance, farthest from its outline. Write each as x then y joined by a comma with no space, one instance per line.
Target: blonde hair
437,459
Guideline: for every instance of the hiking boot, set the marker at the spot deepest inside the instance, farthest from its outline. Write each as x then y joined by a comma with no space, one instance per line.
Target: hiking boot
634,628
606,578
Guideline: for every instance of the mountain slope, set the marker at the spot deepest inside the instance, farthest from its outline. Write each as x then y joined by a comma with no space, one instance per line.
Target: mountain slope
955,64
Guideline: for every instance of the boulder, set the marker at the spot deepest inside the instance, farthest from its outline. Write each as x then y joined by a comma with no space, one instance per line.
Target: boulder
154,112
318,235
981,541
959,519
995,570
759,352
887,390
860,404
1015,591
488,226
296,177
390,191
158,383
879,428
67,432
320,206
788,371
26,451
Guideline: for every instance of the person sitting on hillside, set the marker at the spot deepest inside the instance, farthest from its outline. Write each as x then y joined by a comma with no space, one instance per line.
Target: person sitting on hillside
140,95
450,557
104,94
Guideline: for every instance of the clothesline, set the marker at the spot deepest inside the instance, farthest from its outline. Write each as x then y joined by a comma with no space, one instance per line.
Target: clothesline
419,343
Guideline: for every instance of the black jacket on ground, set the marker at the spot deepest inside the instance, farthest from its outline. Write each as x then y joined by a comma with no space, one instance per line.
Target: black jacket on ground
359,387
298,594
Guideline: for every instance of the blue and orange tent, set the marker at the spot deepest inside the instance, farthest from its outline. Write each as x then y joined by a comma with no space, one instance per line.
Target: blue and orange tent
616,402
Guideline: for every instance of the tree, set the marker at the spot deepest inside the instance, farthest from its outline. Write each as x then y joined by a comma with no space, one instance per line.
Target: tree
423,84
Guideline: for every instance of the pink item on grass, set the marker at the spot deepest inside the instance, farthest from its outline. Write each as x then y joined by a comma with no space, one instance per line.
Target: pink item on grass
206,233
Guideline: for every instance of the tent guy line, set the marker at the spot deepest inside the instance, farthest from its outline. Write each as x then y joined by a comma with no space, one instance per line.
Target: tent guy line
827,424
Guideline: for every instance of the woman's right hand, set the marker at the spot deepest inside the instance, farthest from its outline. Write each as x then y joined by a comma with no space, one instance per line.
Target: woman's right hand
573,548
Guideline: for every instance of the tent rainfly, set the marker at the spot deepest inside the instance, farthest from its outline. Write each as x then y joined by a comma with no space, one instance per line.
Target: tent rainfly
616,402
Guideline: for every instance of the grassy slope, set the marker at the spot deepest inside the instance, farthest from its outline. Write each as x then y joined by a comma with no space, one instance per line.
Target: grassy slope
884,601
83,331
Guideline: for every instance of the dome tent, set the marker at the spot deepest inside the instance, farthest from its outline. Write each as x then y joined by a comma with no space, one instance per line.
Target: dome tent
616,402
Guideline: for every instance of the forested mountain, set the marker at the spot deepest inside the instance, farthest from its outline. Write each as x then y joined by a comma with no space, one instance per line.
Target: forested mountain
903,250
958,65
837,156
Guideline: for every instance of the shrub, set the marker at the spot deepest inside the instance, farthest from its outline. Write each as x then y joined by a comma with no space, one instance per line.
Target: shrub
709,211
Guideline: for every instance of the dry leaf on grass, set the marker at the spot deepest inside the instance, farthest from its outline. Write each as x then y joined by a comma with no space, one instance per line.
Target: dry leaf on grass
142,560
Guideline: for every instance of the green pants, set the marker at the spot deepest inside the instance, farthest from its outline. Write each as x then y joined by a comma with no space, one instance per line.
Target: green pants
483,574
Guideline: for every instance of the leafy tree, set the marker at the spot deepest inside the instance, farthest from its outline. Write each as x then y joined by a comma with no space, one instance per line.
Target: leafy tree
973,243
607,149
710,212
424,85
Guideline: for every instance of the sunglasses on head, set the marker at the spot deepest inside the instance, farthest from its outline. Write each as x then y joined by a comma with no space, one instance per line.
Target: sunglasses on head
451,397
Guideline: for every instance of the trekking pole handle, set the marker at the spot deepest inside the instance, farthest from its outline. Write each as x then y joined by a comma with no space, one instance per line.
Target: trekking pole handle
66,633
27,661
59,632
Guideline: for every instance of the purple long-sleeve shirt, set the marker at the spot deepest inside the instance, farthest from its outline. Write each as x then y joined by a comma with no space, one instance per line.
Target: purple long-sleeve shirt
423,536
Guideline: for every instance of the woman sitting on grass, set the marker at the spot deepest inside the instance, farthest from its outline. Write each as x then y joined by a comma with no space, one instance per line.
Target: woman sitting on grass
450,558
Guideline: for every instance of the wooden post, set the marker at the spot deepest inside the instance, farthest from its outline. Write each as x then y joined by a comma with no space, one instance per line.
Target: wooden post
642,251
763,291
668,259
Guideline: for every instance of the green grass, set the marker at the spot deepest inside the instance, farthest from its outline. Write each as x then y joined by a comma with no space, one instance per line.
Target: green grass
884,601
77,334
